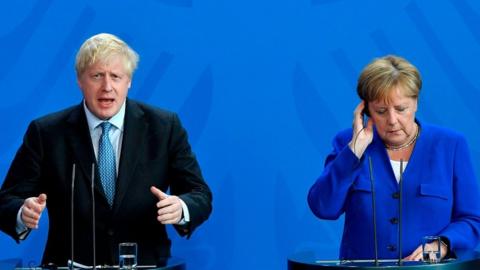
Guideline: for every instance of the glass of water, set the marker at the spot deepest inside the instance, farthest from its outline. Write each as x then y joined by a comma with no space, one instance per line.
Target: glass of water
431,249
127,256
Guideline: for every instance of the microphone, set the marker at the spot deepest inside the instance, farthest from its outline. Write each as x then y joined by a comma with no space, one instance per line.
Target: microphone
72,204
400,200
374,209
93,217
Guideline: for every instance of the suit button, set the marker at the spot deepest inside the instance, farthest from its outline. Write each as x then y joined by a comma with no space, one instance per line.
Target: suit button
110,232
391,248
394,220
395,195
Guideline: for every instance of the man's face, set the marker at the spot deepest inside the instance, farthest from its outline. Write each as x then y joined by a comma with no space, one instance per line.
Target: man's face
105,86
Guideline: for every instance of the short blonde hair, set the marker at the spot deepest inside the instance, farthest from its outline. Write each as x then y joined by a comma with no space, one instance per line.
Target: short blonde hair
385,74
102,47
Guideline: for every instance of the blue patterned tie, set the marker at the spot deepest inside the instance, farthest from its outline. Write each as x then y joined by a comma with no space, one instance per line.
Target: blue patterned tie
107,163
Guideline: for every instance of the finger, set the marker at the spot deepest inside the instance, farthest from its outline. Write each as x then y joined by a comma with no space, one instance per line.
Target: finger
169,209
170,221
32,224
443,250
411,256
359,108
357,114
168,216
31,203
172,218
27,212
158,193
42,199
168,201
31,221
417,254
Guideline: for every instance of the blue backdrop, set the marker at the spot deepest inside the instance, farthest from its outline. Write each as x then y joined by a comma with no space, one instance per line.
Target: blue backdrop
262,86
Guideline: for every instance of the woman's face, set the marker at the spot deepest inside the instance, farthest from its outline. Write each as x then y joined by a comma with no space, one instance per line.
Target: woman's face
394,118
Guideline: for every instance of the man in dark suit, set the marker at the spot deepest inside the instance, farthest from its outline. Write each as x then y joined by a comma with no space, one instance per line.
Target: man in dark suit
134,152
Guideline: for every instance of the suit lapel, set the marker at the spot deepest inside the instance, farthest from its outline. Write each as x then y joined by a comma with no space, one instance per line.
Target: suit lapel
79,138
134,134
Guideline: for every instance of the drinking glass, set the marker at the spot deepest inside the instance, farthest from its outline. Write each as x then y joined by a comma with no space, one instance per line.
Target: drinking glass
127,256
431,249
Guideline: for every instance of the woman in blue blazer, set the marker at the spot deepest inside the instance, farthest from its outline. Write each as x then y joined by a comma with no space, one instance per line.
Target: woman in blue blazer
438,189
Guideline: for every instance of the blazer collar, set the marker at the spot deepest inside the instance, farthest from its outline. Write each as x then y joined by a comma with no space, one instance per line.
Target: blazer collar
379,147
79,138
134,135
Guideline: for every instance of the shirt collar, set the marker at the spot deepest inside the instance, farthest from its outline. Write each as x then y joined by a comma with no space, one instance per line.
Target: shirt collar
117,120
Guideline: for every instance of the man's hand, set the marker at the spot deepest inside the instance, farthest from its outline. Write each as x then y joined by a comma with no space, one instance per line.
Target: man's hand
32,210
169,207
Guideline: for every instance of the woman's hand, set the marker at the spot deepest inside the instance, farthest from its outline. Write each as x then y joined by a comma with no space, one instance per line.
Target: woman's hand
362,135
417,254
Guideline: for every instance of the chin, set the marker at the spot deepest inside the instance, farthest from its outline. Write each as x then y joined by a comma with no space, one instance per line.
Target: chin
104,115
395,142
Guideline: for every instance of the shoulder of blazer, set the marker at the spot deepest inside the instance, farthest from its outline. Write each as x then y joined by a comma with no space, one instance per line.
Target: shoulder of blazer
439,134
151,114
73,113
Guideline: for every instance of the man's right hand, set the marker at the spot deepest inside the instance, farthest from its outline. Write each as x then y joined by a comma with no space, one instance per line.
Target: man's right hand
32,210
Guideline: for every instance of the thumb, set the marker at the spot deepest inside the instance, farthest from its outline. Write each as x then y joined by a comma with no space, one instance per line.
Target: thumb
42,199
158,193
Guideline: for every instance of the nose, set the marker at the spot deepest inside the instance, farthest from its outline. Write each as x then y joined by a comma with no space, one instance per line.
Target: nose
391,118
107,84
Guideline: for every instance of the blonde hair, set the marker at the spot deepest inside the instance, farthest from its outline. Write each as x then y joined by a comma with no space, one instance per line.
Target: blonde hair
384,75
102,47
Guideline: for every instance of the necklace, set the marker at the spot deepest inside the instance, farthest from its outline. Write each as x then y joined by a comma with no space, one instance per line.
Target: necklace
405,145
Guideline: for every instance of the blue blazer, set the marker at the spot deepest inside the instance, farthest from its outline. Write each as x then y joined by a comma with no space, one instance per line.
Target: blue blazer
440,195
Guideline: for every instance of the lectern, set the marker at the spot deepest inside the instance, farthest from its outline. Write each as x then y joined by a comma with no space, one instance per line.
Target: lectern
171,263
466,260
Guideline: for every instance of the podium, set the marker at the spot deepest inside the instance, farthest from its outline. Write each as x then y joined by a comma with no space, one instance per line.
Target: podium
171,263
466,260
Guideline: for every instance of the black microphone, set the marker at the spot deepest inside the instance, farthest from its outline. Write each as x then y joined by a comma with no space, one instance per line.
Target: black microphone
93,217
374,209
72,204
400,200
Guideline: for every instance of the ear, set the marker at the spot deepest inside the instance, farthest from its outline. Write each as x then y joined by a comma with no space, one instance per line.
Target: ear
129,81
79,83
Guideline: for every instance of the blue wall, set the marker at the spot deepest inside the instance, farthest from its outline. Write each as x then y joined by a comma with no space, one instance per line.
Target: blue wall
261,85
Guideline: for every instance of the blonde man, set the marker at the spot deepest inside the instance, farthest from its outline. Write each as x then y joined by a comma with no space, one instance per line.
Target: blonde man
136,151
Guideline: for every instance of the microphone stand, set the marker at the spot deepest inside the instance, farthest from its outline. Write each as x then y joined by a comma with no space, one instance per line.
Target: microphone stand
93,218
72,202
400,200
374,209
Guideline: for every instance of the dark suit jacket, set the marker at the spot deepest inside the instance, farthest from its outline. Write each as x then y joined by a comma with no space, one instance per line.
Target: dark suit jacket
155,151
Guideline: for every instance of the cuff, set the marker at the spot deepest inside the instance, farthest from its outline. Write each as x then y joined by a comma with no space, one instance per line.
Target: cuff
20,228
185,214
